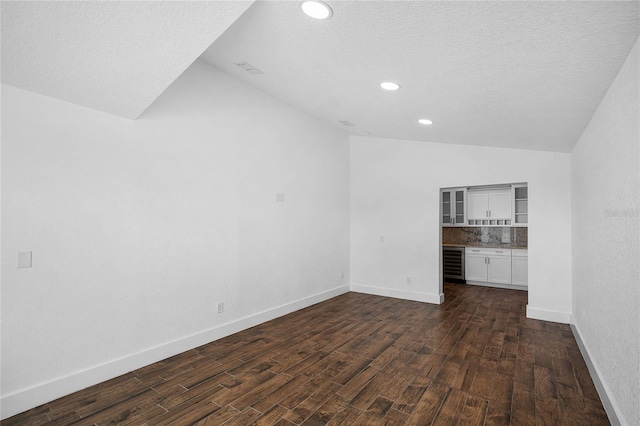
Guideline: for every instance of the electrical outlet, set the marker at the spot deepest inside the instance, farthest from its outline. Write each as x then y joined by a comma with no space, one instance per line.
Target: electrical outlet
342,275
220,307
408,280
382,239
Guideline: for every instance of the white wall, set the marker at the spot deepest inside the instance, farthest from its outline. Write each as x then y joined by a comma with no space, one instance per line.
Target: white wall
138,228
395,194
606,235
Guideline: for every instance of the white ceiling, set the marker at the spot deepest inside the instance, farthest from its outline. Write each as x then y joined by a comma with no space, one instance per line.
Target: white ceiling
116,57
522,74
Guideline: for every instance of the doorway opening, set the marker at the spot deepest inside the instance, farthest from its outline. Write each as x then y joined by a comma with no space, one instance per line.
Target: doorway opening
484,236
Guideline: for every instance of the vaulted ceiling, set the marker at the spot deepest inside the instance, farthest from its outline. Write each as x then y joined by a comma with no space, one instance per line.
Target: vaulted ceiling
117,57
521,74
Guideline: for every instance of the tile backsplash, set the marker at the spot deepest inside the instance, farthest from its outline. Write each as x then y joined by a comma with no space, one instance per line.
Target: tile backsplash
494,236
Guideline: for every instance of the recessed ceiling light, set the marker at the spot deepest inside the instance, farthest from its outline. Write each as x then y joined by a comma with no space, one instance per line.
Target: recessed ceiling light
425,122
316,9
388,85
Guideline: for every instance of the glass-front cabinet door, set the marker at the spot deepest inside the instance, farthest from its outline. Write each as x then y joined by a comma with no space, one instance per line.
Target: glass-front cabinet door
453,207
446,208
458,206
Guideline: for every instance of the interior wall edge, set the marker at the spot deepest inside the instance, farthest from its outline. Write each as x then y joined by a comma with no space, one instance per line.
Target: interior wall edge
612,409
547,315
398,294
35,396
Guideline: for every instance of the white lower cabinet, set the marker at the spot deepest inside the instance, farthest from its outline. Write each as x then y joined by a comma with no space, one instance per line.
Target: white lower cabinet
519,267
475,266
499,269
488,265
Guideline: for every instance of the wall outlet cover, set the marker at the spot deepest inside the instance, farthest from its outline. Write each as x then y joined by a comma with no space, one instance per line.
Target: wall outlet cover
24,259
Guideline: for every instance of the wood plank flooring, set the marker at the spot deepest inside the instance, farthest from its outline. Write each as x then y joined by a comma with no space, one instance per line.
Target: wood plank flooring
359,360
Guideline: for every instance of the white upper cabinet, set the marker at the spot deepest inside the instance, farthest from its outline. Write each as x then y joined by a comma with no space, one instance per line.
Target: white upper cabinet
453,207
489,207
478,205
494,205
520,205
500,204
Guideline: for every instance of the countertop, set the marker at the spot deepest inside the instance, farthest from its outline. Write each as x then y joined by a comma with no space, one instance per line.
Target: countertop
506,246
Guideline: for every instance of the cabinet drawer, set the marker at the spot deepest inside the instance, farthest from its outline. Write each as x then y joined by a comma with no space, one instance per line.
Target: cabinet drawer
488,252
519,253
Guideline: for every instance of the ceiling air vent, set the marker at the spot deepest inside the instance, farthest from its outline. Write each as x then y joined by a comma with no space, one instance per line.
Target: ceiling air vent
346,123
248,67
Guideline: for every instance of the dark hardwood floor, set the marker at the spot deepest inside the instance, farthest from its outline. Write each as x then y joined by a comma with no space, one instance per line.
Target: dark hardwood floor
362,360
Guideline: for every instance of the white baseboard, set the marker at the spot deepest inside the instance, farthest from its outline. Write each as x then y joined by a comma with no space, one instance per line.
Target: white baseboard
497,285
609,405
399,294
546,315
46,392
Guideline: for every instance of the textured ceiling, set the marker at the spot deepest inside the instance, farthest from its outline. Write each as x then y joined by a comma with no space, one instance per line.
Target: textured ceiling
112,56
522,74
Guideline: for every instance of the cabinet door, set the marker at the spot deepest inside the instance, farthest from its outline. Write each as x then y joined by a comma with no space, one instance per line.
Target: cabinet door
477,205
499,270
447,202
500,204
520,272
475,267
458,207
